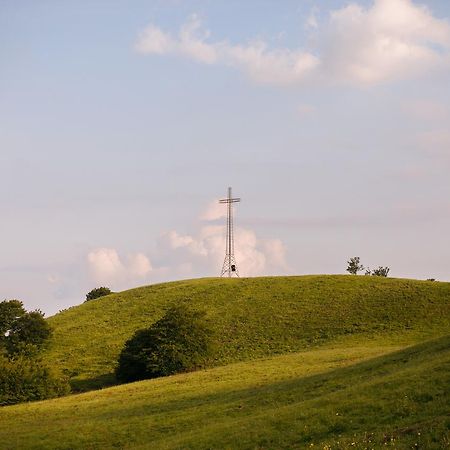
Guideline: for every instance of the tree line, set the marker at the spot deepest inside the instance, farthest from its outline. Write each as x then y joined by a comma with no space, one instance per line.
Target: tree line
354,266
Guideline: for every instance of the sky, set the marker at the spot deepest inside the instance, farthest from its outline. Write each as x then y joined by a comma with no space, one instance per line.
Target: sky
122,124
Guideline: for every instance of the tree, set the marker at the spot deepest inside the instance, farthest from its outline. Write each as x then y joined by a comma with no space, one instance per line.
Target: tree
180,341
10,311
98,292
29,329
23,376
354,265
381,271
19,328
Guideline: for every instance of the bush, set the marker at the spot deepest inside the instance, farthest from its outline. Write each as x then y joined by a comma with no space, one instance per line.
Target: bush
24,378
381,271
181,341
98,292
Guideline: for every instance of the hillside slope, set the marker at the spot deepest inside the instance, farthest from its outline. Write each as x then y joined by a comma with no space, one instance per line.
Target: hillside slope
319,399
253,317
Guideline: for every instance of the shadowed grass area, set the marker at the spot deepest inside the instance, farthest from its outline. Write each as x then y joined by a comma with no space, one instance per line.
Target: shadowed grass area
253,318
335,398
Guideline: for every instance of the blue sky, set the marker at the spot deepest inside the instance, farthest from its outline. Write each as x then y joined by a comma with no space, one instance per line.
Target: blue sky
122,123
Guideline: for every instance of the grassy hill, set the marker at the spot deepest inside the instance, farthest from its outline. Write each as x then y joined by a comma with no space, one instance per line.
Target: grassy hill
327,399
254,318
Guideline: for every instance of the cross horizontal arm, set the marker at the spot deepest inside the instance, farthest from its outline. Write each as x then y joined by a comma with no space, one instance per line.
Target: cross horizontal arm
230,200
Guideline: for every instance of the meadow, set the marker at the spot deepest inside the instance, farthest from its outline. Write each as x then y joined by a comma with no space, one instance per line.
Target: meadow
252,317
338,398
328,362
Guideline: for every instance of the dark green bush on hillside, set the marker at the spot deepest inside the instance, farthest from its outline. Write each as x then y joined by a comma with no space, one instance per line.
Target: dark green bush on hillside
98,292
25,378
181,341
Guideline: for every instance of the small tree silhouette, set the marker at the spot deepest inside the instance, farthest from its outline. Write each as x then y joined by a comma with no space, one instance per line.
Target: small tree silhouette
354,265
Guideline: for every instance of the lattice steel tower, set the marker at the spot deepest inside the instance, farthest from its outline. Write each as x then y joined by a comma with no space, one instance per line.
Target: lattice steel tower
229,267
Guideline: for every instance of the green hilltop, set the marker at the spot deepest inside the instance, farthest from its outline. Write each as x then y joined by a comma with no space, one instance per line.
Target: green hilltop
253,318
328,362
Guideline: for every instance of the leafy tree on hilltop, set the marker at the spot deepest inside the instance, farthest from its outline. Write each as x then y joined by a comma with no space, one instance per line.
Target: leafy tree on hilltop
19,328
98,292
178,342
29,329
354,265
10,311
23,376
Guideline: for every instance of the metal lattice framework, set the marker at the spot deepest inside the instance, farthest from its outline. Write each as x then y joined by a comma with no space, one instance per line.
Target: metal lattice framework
229,267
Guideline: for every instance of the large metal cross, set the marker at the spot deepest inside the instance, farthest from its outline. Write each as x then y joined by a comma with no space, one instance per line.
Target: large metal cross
229,264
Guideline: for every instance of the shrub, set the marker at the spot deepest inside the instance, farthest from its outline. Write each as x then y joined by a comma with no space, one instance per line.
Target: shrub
98,292
381,271
25,378
181,341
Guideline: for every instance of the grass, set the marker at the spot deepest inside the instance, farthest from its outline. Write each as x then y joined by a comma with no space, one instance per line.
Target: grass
253,318
328,398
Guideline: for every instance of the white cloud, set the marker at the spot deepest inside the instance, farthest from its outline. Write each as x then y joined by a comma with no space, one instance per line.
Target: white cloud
278,66
178,241
180,255
436,142
393,39
190,42
390,40
214,211
426,110
153,40
52,279
139,265
305,110
203,253
311,21
106,266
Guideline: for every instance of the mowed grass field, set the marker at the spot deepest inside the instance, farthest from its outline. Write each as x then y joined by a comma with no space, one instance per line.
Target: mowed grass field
253,318
337,398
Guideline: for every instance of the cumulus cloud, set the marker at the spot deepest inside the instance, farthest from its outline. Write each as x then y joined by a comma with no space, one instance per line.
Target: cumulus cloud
424,109
204,253
305,110
214,211
435,142
311,21
279,66
389,40
392,39
107,267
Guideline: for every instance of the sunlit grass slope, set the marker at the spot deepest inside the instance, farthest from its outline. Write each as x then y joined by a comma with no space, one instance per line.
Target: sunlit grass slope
316,399
253,317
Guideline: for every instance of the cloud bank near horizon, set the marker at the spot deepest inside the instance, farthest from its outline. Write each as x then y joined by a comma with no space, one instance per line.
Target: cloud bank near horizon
181,255
390,40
